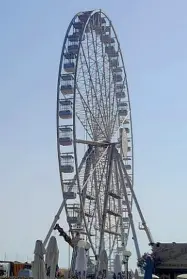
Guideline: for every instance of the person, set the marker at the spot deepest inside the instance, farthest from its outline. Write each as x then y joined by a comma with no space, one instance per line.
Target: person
26,271
71,241
66,237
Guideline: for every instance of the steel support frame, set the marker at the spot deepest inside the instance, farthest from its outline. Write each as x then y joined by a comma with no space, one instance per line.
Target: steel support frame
105,203
57,216
122,179
149,236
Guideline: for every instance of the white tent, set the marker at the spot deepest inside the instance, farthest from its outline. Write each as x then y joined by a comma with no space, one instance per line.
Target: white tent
38,268
103,264
136,275
182,276
117,265
81,263
51,258
153,276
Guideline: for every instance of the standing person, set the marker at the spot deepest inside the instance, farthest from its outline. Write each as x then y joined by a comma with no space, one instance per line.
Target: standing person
72,242
66,237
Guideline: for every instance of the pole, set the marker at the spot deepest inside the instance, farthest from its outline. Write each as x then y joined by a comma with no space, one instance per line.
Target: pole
69,254
127,267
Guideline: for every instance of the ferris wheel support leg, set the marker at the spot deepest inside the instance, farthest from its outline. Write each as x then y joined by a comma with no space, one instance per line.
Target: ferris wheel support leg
128,206
86,176
123,239
149,236
57,216
108,180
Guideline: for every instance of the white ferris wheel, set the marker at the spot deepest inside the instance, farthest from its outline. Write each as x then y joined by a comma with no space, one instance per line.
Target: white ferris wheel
94,137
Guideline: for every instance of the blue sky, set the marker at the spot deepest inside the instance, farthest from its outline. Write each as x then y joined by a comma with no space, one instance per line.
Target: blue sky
153,39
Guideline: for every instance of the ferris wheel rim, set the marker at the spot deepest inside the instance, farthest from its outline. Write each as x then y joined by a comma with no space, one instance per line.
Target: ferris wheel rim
74,97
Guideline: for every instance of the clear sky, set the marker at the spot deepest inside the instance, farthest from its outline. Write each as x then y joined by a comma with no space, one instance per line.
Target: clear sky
153,39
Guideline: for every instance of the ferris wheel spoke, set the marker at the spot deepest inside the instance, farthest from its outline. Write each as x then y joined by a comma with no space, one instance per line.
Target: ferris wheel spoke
100,177
90,117
128,206
82,209
97,177
114,242
95,163
98,75
95,94
119,190
104,78
86,177
91,120
87,109
107,187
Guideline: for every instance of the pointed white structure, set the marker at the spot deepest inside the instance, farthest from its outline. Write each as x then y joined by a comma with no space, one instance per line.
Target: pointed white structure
117,265
182,276
81,263
51,258
136,275
103,264
156,277
38,268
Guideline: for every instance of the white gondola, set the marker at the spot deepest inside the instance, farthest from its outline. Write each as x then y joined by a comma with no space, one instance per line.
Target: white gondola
125,226
67,89
67,77
65,135
99,24
65,109
117,70
106,29
84,16
117,78
69,56
69,195
114,62
74,37
125,219
68,191
73,48
119,86
78,25
122,109
73,213
106,39
120,94
66,86
69,67
127,130
128,167
67,163
110,50
67,183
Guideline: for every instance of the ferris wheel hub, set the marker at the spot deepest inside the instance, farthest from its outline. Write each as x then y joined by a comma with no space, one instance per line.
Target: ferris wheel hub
96,143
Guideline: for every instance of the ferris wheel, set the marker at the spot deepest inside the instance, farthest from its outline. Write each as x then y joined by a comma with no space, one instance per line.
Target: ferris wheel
94,137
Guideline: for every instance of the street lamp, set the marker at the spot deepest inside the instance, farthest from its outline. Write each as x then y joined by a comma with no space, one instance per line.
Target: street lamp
126,256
